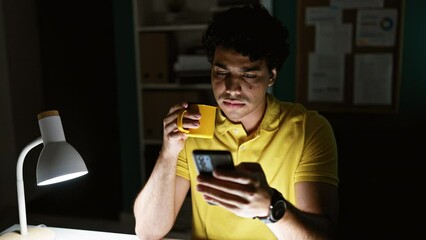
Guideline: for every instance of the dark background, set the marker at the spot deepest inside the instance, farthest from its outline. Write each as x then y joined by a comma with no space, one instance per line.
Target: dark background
76,56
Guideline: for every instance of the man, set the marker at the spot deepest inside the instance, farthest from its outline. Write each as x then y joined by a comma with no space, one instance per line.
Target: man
285,185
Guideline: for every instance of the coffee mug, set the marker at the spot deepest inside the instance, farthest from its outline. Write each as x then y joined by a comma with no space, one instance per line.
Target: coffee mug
207,121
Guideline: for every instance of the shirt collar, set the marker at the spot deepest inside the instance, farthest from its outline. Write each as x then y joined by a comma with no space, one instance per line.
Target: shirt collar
269,122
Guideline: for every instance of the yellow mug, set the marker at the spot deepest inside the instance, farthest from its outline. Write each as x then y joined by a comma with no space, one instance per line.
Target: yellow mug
207,121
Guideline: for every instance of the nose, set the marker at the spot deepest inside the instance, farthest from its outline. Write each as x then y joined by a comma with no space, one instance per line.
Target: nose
233,85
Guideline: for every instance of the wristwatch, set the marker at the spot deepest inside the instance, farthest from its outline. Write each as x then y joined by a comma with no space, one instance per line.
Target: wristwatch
276,209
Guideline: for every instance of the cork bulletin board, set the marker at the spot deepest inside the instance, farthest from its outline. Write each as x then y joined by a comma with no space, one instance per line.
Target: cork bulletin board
349,55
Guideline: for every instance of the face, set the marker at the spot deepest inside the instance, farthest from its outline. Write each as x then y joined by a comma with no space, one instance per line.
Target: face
240,85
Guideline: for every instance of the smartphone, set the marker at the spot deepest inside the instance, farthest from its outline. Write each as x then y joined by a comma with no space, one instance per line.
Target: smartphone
207,161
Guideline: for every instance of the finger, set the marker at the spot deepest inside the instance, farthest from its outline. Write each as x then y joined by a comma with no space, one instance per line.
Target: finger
190,123
221,197
178,107
190,120
243,190
191,115
170,126
244,173
236,176
218,202
173,134
172,114
170,129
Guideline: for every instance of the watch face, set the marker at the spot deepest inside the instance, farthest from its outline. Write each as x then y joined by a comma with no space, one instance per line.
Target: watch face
278,210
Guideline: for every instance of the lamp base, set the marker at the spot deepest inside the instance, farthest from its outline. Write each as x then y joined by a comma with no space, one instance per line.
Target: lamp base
34,233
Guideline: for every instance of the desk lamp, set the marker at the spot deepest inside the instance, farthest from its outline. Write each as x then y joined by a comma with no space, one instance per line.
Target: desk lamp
58,161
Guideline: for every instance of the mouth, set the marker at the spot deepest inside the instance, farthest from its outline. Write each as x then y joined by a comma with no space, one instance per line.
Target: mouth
233,103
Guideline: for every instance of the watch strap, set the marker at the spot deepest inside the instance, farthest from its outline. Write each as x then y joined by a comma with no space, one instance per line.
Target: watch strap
277,201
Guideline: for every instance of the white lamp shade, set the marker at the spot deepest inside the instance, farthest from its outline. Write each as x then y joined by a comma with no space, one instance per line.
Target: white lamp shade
58,162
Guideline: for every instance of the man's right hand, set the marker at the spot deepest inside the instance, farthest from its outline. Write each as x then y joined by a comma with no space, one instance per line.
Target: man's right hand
173,139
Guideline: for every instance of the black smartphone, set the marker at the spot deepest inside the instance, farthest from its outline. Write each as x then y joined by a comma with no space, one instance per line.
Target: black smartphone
208,160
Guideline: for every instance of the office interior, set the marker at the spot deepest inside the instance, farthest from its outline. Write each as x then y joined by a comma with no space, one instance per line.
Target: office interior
78,57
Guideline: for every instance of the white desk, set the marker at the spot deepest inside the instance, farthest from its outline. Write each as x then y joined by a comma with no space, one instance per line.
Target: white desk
76,234
73,234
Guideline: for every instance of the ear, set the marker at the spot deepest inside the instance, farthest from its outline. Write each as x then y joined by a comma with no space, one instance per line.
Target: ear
272,77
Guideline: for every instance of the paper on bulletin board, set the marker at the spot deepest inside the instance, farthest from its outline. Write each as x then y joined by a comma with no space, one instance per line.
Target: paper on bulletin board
357,3
333,38
373,79
320,15
376,27
325,77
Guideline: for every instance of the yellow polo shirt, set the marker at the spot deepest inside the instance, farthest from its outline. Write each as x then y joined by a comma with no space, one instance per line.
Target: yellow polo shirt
292,145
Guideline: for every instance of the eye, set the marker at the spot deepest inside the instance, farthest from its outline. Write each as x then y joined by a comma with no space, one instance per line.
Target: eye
249,76
221,74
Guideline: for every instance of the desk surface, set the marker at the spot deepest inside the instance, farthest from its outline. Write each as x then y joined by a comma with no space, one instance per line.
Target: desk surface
73,234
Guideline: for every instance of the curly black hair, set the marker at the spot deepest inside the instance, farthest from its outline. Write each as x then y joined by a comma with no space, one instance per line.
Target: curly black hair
251,31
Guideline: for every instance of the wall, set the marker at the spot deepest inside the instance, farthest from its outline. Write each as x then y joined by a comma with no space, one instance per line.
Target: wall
284,87
7,140
79,79
380,155
60,55
413,97
127,90
20,90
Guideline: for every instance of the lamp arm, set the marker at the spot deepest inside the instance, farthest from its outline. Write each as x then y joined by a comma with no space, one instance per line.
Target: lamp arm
20,184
